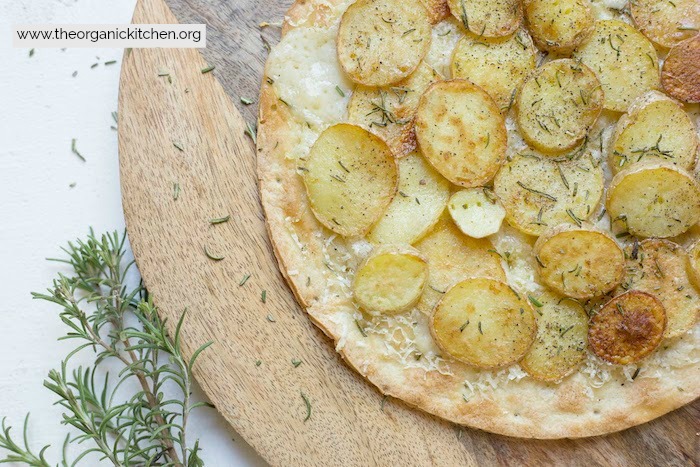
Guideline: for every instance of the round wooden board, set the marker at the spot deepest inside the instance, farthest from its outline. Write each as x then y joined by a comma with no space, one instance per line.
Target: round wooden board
215,174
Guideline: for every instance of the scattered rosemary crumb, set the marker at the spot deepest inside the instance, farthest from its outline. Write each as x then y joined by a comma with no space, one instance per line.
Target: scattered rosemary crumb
362,331
211,256
636,373
74,74
208,69
263,298
94,65
178,146
258,362
75,151
31,52
246,101
308,406
176,190
244,280
72,185
340,91
220,220
296,362
271,318
251,132
534,301
110,62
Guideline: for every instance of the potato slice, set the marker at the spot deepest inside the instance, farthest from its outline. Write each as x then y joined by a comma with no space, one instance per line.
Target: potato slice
388,111
579,262
666,23
391,280
654,200
453,257
438,10
461,132
488,18
624,61
476,211
350,177
498,66
558,104
381,42
560,344
559,25
484,323
660,268
681,74
417,206
628,328
655,127
541,192
694,263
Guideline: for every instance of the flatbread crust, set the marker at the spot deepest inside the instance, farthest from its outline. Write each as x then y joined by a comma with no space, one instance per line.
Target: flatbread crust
582,405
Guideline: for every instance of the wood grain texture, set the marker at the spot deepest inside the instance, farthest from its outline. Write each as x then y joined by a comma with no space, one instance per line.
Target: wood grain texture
216,175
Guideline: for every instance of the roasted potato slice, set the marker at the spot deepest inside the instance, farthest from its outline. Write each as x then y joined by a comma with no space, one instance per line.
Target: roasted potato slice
624,61
681,71
694,263
666,22
417,206
488,18
498,66
438,10
654,199
350,177
660,268
558,104
559,25
484,323
560,344
388,111
542,192
461,132
655,127
579,262
381,42
452,257
477,212
628,328
391,280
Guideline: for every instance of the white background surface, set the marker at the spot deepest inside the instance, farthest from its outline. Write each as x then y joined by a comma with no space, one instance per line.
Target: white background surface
42,107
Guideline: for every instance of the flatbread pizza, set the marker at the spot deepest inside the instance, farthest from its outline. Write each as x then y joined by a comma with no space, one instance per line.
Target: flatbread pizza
491,208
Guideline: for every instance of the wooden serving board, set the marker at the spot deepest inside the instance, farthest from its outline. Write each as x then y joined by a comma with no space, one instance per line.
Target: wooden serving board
169,195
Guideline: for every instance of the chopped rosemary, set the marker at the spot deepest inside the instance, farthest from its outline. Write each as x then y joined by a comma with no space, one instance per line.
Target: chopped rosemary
464,326
362,331
480,331
208,69
75,151
339,91
220,220
263,298
534,301
110,62
31,52
176,191
246,101
563,178
211,256
178,146
251,132
537,192
561,334
244,280
308,406
573,217
296,362
343,166
258,362
636,373
408,32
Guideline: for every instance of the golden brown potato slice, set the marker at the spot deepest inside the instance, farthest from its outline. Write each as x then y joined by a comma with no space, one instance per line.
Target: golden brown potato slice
655,127
452,257
417,206
579,262
498,66
484,323
476,211
559,25
628,328
437,10
350,177
654,199
558,104
560,344
541,192
681,74
624,61
488,18
391,280
461,132
388,111
381,42
660,268
666,22
694,263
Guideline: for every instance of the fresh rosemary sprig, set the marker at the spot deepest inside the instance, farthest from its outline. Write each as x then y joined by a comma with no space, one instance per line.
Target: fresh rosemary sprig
126,421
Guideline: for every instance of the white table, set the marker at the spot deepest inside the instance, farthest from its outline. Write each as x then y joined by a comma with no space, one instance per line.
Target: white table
42,107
